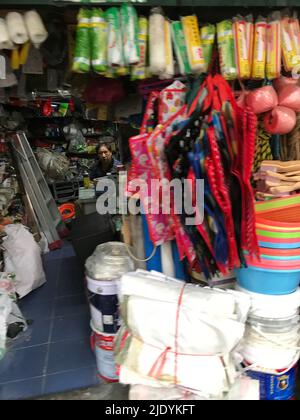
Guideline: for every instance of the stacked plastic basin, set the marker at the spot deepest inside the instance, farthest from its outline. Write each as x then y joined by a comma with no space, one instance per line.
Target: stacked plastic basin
271,345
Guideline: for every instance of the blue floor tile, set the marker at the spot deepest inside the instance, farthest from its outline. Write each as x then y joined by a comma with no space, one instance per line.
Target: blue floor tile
34,308
71,305
36,334
71,280
21,389
70,355
67,381
23,364
71,327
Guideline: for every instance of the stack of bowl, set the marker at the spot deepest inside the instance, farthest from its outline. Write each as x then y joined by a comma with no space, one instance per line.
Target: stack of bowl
277,271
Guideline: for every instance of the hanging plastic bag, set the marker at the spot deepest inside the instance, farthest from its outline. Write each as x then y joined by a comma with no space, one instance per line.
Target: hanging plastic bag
260,50
82,56
139,71
115,45
99,30
170,71
262,99
241,48
289,52
273,63
157,44
180,48
208,33
281,120
226,50
130,30
193,43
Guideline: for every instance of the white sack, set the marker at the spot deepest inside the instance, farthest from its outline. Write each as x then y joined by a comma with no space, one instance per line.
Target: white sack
22,256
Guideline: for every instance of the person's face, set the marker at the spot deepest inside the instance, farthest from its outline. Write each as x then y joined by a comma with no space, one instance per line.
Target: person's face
105,155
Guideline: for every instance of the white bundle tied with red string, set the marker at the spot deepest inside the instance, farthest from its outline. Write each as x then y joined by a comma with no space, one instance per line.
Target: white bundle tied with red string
176,329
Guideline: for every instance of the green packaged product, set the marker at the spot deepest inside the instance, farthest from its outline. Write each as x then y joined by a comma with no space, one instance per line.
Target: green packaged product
130,32
115,45
82,56
99,31
180,48
226,50
139,71
207,33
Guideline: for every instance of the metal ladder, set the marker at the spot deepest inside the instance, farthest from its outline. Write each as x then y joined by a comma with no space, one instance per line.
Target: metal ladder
38,192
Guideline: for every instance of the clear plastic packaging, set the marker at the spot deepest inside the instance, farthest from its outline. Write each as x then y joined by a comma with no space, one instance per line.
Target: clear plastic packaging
109,262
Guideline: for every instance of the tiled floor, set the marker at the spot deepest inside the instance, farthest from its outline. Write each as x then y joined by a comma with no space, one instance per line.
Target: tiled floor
54,354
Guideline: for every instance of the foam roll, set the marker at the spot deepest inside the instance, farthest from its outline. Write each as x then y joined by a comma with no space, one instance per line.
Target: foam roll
5,41
16,28
35,27
158,62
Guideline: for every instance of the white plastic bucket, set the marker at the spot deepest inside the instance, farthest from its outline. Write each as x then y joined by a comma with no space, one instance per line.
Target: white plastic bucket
273,306
104,305
103,345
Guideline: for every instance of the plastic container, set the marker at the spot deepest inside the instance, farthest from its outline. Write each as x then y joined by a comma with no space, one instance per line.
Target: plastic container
275,384
269,282
103,345
273,307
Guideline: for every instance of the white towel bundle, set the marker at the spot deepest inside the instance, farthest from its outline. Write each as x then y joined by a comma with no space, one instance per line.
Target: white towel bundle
35,27
16,28
5,41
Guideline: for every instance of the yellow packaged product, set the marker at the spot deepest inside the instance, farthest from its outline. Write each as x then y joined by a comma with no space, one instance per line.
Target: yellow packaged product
249,37
273,62
241,50
287,44
193,43
294,22
259,49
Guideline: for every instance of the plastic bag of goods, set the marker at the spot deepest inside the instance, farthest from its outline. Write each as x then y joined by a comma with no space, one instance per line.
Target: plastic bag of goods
180,48
22,256
115,45
260,49
273,62
226,50
139,71
54,165
193,42
82,56
98,33
208,34
157,46
241,48
130,30
289,52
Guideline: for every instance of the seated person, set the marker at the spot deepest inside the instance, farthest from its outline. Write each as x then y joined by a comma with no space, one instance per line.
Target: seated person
106,163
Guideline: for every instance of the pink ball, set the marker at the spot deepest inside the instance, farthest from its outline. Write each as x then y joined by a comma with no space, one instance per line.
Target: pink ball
262,99
281,120
289,96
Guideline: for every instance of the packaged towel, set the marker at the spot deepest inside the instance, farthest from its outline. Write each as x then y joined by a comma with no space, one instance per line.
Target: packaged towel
16,28
35,28
5,41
